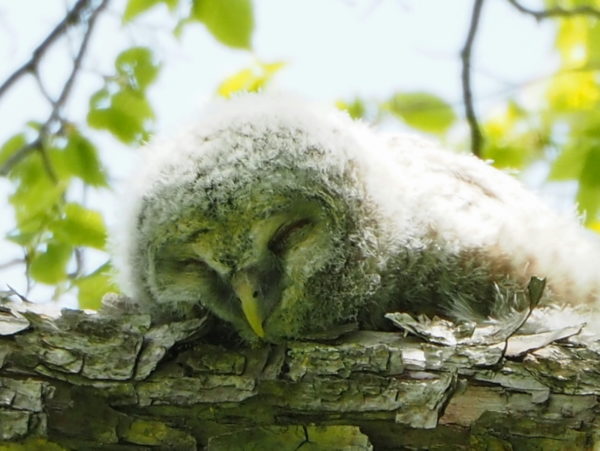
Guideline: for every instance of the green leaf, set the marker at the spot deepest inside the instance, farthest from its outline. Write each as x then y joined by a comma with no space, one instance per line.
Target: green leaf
573,92
133,103
22,239
139,66
36,195
250,79
593,44
80,227
100,99
505,155
588,195
129,116
136,7
230,21
81,160
356,108
94,286
12,145
422,111
50,266
569,164
121,107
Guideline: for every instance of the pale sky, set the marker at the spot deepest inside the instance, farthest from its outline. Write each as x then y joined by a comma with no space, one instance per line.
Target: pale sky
333,49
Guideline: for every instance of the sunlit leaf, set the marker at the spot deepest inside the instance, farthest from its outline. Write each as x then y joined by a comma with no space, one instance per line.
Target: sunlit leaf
139,66
422,111
356,108
573,91
80,226
593,44
133,103
129,116
230,21
509,143
121,107
569,163
94,286
12,145
81,160
251,79
50,266
22,239
136,7
36,194
100,99
125,127
570,41
595,226
505,156
588,195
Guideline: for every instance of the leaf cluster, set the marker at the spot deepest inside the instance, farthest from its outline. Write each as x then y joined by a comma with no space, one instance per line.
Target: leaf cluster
53,160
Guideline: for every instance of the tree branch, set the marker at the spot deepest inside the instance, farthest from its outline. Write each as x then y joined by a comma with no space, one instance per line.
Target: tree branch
76,15
72,17
476,136
113,380
557,11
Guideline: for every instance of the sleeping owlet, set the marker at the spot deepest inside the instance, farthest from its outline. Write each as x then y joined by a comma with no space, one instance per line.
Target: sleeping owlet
285,219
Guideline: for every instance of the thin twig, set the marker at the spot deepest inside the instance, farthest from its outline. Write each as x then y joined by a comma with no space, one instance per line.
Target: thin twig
58,104
47,164
78,59
476,136
557,11
71,18
42,88
12,292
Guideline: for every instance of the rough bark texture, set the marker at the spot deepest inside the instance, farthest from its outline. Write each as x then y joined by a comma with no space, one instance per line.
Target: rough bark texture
111,381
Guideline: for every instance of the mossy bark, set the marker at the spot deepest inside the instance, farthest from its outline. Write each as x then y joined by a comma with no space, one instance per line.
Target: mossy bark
111,381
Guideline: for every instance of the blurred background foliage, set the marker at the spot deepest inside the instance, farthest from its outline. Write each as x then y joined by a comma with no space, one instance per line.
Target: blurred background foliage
46,162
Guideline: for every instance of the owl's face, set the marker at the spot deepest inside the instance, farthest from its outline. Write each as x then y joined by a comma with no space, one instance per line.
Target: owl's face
257,264
260,218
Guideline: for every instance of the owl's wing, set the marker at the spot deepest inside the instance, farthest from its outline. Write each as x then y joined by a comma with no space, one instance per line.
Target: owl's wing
477,206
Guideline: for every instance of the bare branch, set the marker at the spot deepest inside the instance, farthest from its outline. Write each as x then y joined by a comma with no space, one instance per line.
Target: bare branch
12,292
557,11
72,17
57,105
476,136
42,88
78,60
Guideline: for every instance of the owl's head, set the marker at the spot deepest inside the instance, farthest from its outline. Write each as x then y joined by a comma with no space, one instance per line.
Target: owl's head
259,215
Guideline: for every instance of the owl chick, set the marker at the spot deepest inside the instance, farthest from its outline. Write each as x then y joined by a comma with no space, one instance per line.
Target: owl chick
286,220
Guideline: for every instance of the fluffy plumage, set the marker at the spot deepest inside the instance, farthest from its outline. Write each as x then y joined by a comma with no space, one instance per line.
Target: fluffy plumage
286,220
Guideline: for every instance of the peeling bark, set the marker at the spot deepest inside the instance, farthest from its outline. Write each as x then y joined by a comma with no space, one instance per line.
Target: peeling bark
113,381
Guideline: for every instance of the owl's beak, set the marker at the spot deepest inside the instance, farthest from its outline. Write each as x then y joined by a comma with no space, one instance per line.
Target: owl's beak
247,291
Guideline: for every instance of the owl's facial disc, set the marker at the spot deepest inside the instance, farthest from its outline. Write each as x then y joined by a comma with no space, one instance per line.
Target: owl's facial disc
243,268
258,286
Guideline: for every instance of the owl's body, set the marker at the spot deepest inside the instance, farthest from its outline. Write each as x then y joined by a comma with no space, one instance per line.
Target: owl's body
286,220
